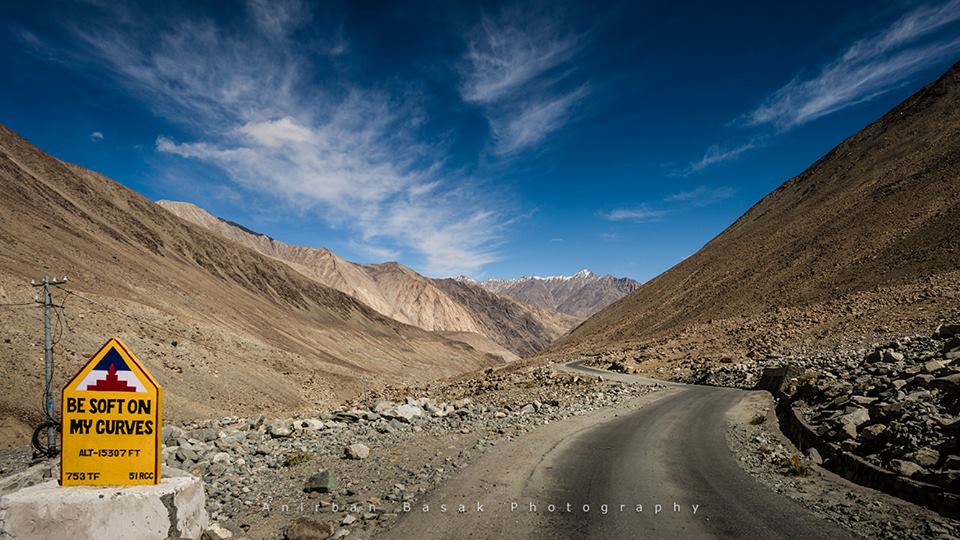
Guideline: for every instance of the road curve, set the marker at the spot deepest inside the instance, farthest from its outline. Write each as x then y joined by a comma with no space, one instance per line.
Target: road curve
670,452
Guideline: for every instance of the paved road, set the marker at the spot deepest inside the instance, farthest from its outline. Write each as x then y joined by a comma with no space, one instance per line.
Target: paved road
670,452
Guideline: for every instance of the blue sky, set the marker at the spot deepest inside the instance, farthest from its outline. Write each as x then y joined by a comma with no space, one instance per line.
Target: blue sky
495,139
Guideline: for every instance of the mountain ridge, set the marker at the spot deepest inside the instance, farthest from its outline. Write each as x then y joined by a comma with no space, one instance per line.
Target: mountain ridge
579,295
401,293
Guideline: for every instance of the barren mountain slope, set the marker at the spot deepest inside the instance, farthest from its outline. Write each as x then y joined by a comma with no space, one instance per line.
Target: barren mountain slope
318,263
526,329
579,295
867,240
401,293
224,329
414,297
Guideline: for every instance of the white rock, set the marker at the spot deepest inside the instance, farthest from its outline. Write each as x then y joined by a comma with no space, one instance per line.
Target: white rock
217,532
309,424
279,429
356,451
405,412
383,406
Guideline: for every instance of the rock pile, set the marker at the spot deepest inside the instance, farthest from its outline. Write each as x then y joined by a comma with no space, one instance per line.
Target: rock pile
897,406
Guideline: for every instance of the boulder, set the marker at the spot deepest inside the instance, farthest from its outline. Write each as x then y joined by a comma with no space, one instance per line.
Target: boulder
309,424
170,434
324,481
348,417
855,418
932,366
904,467
872,432
885,356
891,356
947,331
404,413
308,529
217,532
948,384
279,429
925,457
382,406
185,454
205,434
356,451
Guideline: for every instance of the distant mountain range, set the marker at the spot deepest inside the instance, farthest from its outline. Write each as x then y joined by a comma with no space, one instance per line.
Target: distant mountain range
401,293
579,295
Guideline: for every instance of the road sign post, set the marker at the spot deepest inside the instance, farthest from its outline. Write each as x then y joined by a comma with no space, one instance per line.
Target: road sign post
111,422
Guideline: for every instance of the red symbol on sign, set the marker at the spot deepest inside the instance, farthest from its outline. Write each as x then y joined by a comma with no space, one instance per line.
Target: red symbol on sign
112,383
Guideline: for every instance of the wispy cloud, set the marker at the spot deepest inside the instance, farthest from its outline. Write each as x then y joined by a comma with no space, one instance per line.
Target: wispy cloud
380,254
96,136
716,154
639,214
351,154
278,19
868,68
671,204
518,68
701,196
536,120
610,237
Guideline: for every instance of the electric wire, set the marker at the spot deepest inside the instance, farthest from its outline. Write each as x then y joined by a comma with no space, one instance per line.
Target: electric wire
62,323
165,331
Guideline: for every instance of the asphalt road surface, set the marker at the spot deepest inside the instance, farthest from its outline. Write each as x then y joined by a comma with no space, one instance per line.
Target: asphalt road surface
662,469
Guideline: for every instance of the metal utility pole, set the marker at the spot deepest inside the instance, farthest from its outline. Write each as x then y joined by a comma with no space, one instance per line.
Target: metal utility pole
48,360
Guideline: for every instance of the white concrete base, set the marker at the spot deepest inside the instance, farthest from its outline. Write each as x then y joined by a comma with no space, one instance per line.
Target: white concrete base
173,509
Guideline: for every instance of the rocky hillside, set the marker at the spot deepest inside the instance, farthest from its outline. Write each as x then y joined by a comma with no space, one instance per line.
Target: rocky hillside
579,295
221,326
866,241
401,293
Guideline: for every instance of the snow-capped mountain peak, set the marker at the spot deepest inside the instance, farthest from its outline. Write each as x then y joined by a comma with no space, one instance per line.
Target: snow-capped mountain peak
580,294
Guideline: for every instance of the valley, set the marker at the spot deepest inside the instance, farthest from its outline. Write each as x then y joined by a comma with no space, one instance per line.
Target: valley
419,358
